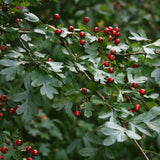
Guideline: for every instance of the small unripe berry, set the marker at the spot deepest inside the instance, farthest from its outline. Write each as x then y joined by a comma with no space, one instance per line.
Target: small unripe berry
82,42
56,16
142,91
100,39
106,63
29,149
35,152
82,34
111,70
18,20
110,80
117,41
84,90
29,158
86,19
19,142
70,28
77,113
4,98
4,149
96,29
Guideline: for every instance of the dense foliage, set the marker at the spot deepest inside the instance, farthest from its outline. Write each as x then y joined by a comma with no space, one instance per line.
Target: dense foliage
85,92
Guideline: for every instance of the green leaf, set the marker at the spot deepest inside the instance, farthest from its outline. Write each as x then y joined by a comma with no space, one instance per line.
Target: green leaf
80,67
137,37
156,75
25,37
88,109
133,135
152,96
31,17
87,152
96,100
56,66
104,115
148,50
109,141
95,139
82,27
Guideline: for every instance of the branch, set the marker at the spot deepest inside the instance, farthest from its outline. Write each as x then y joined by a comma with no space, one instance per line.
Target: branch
137,53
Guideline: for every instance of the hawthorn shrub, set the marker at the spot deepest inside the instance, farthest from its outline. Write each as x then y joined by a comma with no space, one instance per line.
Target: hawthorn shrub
76,92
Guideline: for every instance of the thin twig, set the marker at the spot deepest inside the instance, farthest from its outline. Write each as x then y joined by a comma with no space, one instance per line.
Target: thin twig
137,53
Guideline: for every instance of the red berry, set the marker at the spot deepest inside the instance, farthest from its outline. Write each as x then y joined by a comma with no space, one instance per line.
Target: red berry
1,157
11,111
113,33
19,7
137,107
117,41
111,70
118,34
58,31
110,28
4,8
117,29
110,38
16,107
107,64
84,90
136,65
19,142
110,80
4,98
106,30
56,16
29,149
82,41
111,57
29,158
35,152
102,61
142,91
1,105
71,28
4,149
77,113
1,115
127,98
96,29
18,20
113,52
3,48
86,19
49,60
135,85
82,34
132,110
100,39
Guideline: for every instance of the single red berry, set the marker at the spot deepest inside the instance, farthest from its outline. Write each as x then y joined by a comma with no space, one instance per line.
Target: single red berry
113,52
16,107
100,39
110,38
86,19
4,149
110,28
137,107
82,41
111,57
117,41
18,20
84,90
4,98
110,80
118,34
56,16
111,70
96,29
106,30
11,111
58,31
82,34
1,105
3,48
106,63
25,29
132,110
1,115
71,28
142,91
136,65
29,158
135,85
113,33
77,113
102,61
117,29
49,60
19,7
19,142
127,98
35,152
1,157
29,149
4,8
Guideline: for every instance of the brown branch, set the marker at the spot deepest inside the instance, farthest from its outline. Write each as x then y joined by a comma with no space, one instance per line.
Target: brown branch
137,53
